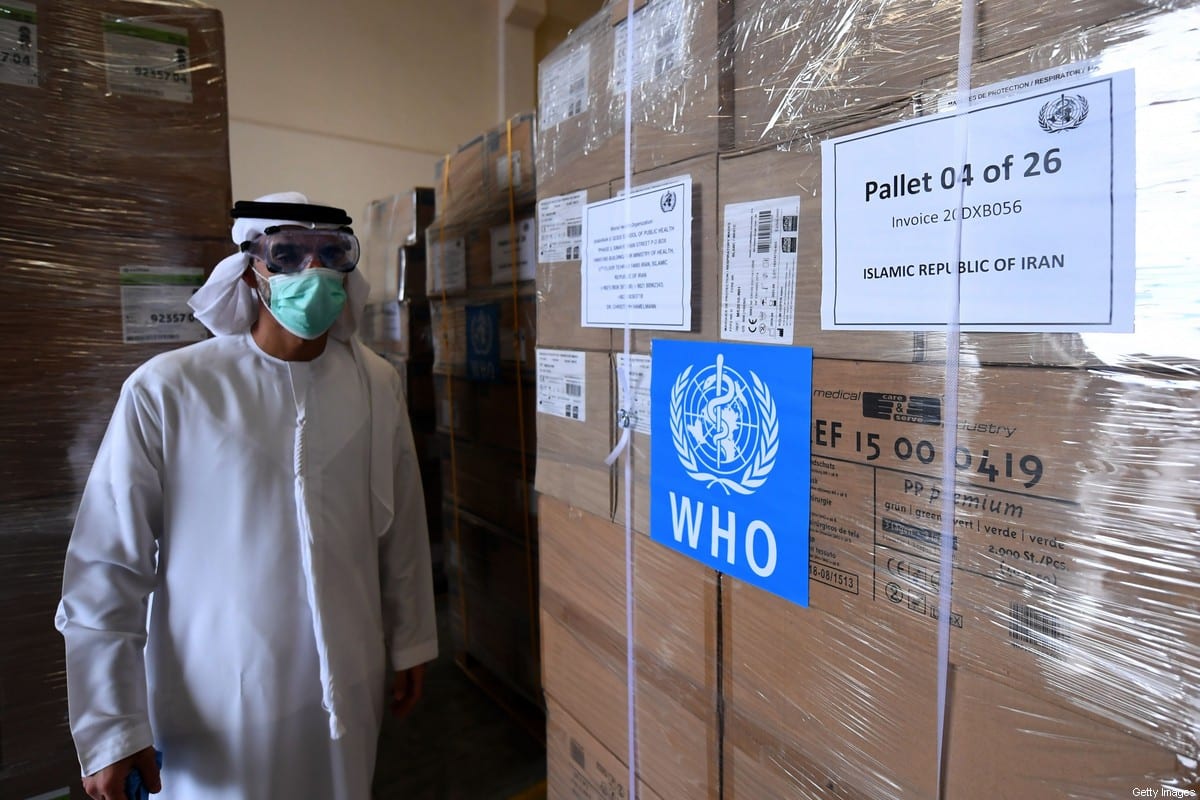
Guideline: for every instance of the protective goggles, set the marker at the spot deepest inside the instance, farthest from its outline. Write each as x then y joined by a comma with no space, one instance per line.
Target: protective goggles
290,250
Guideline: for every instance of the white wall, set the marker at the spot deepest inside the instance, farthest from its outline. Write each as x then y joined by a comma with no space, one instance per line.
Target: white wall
352,100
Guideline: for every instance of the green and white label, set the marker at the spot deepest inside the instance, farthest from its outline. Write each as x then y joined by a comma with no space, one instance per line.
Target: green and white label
18,43
154,304
148,59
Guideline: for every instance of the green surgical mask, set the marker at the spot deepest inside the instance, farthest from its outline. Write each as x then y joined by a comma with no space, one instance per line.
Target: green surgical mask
305,303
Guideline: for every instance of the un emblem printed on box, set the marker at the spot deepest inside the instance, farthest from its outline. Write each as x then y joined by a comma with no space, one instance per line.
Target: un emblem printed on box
483,342
730,449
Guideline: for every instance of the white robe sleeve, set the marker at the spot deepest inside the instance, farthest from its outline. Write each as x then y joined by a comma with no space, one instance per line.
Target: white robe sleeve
406,573
108,576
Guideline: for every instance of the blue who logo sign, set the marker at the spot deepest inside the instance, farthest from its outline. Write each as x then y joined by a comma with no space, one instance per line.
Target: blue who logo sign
729,459
483,342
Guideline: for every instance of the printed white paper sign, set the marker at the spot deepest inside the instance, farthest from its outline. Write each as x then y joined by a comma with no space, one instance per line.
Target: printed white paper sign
446,263
503,252
637,259
1043,200
562,383
758,289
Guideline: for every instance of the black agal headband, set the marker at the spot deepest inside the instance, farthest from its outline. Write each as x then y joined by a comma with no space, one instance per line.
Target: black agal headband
293,212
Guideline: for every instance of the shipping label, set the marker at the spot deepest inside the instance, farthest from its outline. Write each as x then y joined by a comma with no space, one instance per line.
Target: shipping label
18,43
505,251
563,90
147,59
758,290
560,227
154,304
446,264
562,383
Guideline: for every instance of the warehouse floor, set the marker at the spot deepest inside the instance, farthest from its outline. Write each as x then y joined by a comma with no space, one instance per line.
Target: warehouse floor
458,744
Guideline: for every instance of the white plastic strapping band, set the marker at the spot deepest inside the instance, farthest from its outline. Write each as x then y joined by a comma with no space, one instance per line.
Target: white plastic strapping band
966,42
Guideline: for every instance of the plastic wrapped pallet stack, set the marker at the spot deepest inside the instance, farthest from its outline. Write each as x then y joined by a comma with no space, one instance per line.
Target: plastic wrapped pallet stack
117,197
1071,667
396,324
479,279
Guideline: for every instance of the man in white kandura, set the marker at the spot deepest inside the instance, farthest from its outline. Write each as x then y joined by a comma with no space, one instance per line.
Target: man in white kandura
251,547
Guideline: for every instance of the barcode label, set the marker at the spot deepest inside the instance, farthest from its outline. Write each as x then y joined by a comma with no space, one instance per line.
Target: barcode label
575,230
1032,628
763,232
562,383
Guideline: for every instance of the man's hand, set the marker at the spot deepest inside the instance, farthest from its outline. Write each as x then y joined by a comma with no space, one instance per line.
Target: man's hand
406,690
109,783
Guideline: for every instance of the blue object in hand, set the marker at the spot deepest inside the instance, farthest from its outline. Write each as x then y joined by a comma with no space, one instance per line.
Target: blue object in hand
134,788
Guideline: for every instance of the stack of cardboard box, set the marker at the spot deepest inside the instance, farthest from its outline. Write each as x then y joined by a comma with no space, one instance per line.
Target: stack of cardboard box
117,198
480,284
1072,667
396,324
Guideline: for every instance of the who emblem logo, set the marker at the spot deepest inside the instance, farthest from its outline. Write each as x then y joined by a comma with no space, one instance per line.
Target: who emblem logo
725,429
730,459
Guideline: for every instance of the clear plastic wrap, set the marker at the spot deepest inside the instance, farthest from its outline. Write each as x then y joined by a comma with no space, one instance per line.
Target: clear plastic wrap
479,283
1071,668
678,97
116,204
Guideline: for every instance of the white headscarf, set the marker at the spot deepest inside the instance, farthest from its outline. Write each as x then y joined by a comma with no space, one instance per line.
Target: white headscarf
226,305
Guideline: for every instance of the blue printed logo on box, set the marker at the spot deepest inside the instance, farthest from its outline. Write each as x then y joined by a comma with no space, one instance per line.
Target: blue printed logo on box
730,452
483,342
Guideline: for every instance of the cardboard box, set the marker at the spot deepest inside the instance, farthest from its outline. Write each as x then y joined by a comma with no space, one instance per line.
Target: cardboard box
584,647
677,96
399,328
1165,295
472,184
579,767
453,353
509,169
559,287
493,599
457,256
458,183
36,751
800,69
393,244
771,174
114,130
571,448
493,484
1066,480
823,706
706,254
1073,521
1166,327
492,414
60,387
